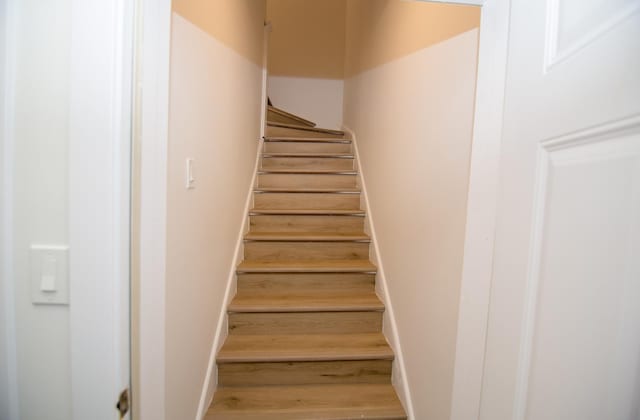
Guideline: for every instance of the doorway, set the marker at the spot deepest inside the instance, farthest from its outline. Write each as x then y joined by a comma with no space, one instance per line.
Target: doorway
65,140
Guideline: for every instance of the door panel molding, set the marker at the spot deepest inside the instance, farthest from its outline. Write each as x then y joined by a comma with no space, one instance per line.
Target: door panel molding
590,32
580,147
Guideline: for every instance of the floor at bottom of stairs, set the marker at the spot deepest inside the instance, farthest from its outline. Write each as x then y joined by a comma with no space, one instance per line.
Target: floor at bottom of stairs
308,402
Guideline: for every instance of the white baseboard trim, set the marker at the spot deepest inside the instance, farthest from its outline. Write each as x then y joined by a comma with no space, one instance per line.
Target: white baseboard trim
211,379
390,327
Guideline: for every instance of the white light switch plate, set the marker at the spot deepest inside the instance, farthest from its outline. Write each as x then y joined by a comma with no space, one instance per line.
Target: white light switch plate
190,179
49,274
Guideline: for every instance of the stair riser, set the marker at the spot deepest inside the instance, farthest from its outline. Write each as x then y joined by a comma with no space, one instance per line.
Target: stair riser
303,163
300,373
313,251
294,282
305,323
305,147
291,132
306,181
311,224
320,201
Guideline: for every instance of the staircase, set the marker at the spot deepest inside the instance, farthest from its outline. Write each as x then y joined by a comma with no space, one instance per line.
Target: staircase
305,327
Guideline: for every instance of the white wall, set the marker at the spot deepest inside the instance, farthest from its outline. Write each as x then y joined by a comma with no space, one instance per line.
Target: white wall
215,119
318,100
413,120
40,200
6,339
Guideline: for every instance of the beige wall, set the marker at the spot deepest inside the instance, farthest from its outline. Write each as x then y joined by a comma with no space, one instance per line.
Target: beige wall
412,113
235,23
308,38
380,31
214,118
306,58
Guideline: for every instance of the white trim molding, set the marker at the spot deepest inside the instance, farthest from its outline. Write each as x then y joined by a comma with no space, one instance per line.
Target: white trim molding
481,211
8,366
99,167
153,119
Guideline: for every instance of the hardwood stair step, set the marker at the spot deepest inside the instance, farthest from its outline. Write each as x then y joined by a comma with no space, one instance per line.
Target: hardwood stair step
345,322
300,132
303,139
312,171
306,190
278,115
261,282
327,402
308,163
308,155
315,266
305,251
341,224
304,348
284,146
305,373
288,180
298,127
309,212
307,236
302,200
306,302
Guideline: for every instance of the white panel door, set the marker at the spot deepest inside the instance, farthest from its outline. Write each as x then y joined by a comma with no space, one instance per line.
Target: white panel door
563,338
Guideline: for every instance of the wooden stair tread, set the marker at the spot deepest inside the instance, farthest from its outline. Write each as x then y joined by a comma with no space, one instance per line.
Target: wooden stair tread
305,128
305,327
308,212
306,171
320,266
309,155
311,301
298,139
300,120
307,236
327,402
307,190
304,347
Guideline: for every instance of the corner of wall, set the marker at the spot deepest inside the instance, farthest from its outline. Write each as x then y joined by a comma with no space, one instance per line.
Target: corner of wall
390,329
211,379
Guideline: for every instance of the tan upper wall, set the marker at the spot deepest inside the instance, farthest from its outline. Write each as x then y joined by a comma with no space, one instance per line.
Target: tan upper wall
308,38
380,31
237,23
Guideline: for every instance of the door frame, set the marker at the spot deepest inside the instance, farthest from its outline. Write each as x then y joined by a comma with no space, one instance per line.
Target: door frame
8,364
99,143
482,199
481,206
99,204
151,142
